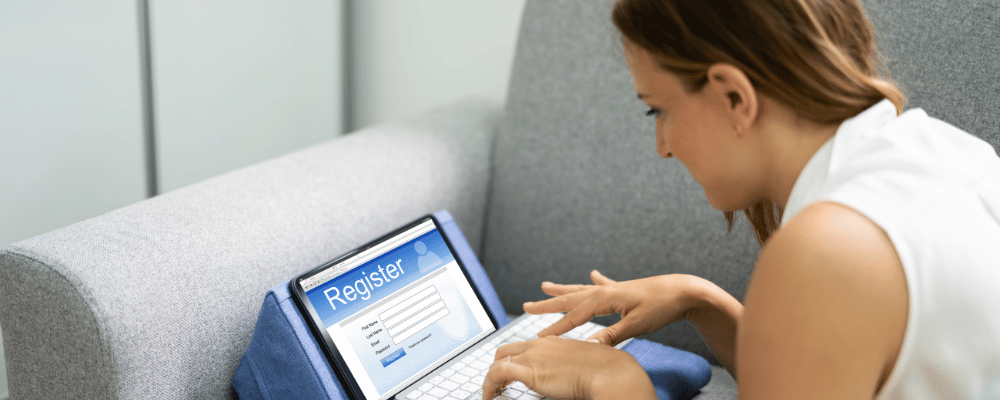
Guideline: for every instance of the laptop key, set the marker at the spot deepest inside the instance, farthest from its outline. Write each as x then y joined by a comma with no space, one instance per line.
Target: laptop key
414,395
478,364
525,335
471,387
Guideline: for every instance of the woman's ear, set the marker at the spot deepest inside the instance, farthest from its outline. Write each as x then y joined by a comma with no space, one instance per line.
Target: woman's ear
732,88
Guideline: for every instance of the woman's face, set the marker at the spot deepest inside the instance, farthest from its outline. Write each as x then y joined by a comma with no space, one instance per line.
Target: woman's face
694,128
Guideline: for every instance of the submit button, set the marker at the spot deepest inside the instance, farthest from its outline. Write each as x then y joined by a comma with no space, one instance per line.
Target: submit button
389,359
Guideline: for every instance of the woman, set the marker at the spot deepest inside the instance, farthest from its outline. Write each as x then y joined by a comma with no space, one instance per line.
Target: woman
880,265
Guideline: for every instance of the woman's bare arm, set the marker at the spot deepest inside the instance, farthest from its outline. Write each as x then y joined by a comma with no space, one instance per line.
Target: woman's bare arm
825,312
716,316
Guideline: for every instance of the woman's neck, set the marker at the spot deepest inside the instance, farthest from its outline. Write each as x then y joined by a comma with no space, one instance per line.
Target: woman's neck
790,142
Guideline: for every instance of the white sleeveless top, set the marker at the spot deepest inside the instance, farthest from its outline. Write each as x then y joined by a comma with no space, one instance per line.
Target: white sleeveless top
935,190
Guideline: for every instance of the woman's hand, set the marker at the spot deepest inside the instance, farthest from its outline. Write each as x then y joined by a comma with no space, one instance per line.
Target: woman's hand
646,305
566,368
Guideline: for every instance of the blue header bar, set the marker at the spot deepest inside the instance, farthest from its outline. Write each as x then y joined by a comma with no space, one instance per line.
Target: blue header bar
378,278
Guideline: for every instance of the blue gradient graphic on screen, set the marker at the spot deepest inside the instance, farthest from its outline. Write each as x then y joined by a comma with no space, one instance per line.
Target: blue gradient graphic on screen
423,318
374,280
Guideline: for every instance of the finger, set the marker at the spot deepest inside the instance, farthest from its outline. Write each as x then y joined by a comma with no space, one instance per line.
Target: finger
610,336
562,303
627,327
574,317
596,305
600,279
511,349
502,384
557,289
502,373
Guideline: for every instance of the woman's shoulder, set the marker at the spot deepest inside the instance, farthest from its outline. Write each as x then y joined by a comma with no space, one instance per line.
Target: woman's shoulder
893,168
811,296
832,242
914,139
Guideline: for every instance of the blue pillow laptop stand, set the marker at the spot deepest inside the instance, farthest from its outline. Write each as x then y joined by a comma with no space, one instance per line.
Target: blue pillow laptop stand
284,361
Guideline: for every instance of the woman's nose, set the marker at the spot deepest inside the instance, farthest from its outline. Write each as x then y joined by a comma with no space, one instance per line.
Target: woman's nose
661,147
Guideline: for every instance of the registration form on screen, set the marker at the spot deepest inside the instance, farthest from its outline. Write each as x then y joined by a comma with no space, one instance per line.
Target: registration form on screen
398,310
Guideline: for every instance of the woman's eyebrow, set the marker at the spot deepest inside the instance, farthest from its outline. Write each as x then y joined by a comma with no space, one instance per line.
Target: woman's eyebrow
640,96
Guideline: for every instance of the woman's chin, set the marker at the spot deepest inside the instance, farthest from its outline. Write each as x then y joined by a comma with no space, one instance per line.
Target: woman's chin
722,202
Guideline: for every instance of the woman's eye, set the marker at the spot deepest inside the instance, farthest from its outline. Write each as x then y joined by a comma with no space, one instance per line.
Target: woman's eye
653,112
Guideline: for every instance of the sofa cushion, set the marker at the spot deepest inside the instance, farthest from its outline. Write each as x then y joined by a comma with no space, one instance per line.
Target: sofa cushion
946,57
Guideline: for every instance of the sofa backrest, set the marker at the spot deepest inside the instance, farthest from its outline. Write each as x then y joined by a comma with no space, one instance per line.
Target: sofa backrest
159,299
946,57
577,184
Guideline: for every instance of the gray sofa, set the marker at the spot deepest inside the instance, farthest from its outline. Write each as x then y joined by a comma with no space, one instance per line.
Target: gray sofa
159,299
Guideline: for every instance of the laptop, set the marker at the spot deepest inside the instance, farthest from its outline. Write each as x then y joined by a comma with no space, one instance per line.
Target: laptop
401,318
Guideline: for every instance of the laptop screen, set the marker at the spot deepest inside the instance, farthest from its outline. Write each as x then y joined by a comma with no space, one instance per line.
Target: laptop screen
398,309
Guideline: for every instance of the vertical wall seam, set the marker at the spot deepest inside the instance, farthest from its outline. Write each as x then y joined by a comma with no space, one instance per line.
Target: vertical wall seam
148,115
347,67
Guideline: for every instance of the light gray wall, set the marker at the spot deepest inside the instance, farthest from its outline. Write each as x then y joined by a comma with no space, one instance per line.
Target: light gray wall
242,82
412,56
70,118
69,111
235,83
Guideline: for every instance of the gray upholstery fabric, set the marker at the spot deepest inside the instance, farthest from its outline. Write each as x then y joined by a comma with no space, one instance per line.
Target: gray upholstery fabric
577,184
158,300
721,387
118,306
946,57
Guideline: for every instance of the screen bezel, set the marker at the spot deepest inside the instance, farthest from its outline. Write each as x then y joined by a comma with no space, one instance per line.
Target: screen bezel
318,329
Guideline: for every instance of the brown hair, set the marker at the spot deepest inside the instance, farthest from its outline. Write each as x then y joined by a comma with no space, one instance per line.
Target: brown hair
817,57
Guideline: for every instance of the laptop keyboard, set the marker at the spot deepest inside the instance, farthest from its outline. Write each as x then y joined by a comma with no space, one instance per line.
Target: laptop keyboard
463,380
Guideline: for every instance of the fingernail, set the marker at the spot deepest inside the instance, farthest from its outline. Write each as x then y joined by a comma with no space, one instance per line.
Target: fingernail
528,303
546,283
593,341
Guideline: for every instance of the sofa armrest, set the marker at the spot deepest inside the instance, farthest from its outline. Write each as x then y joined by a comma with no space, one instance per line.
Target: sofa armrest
159,299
